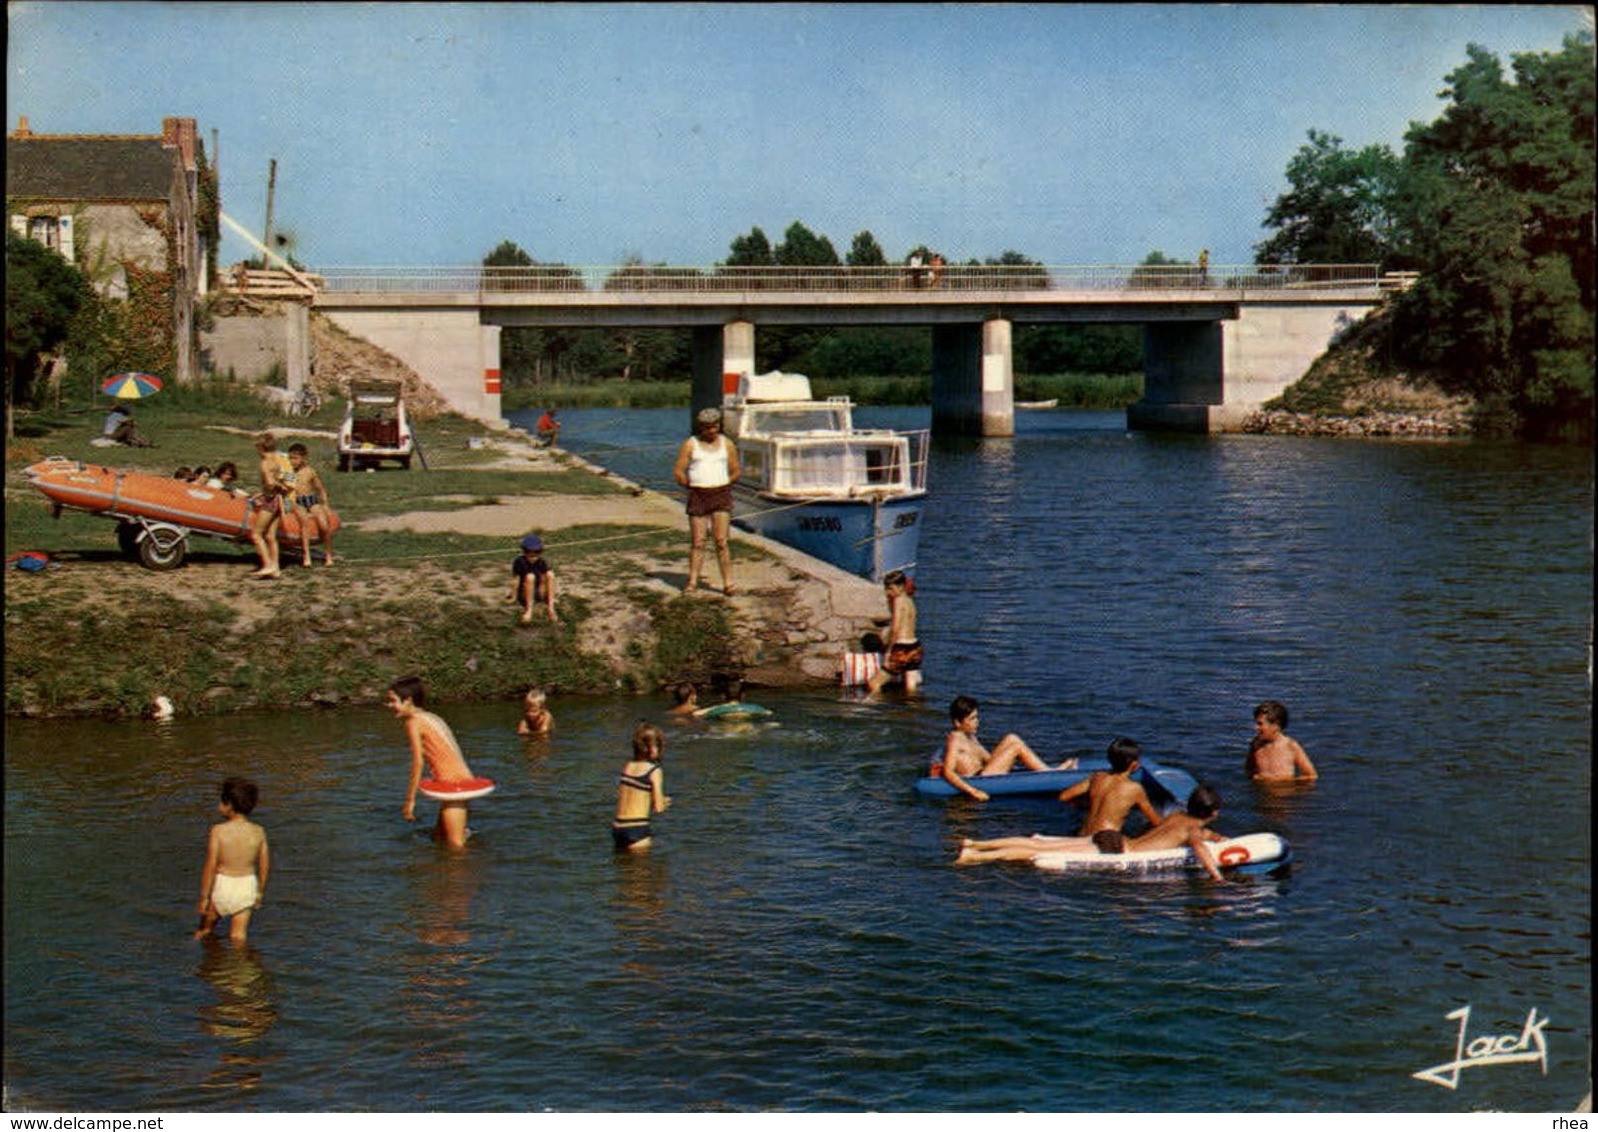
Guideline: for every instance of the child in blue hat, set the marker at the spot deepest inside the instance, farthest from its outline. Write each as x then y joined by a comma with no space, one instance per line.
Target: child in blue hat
535,581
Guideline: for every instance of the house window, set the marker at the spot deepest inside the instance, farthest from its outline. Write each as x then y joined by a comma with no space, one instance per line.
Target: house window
45,230
54,232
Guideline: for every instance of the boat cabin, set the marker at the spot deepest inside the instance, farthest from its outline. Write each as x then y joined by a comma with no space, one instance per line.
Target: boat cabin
792,445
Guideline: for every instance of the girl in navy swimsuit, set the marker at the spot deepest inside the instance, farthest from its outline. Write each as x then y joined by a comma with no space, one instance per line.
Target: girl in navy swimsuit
640,791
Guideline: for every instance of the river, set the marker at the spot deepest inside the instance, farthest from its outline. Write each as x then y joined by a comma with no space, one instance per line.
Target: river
797,940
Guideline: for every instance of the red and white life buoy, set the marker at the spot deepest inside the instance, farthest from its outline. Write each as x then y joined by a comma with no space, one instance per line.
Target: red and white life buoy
463,791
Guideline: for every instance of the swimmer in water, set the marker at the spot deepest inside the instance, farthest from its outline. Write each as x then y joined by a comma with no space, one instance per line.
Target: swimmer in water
1274,755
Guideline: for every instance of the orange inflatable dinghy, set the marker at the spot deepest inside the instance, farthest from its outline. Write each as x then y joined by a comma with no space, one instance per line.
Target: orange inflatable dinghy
155,514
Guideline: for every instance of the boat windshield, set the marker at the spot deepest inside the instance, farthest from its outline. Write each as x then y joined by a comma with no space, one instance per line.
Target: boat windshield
820,418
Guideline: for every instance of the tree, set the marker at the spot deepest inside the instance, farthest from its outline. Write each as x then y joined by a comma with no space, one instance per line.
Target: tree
1497,209
866,252
753,250
43,294
1339,209
801,247
508,254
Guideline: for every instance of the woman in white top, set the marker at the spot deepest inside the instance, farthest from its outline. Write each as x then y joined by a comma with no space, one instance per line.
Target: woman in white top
707,465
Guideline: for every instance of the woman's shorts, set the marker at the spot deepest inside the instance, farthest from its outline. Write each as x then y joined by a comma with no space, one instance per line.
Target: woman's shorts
704,501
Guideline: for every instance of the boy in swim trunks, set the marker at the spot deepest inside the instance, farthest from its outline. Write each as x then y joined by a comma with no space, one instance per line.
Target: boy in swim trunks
1112,795
266,515
1274,756
310,496
434,743
964,757
640,791
904,653
237,861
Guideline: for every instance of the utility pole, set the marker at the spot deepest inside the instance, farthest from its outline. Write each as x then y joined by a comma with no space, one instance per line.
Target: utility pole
271,189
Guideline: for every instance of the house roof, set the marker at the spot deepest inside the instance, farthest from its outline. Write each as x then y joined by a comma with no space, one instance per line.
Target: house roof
89,168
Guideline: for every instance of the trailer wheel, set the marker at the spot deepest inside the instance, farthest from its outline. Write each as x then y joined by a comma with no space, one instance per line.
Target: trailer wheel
162,549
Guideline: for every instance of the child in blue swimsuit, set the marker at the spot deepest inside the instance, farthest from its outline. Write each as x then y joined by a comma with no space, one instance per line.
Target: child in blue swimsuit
640,791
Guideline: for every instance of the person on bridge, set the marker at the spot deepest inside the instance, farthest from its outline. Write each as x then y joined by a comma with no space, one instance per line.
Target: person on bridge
707,466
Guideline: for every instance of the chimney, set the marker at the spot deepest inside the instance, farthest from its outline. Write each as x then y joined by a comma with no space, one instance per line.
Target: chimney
22,130
179,134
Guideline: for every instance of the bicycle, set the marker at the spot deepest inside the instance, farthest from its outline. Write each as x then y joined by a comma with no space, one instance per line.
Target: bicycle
305,402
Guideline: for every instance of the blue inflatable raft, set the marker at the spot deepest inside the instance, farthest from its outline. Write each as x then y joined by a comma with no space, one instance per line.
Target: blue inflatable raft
1167,786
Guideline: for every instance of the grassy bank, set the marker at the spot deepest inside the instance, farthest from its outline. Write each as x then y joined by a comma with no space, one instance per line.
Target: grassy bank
98,635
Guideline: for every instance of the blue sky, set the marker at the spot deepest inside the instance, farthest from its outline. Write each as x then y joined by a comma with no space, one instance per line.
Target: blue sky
421,134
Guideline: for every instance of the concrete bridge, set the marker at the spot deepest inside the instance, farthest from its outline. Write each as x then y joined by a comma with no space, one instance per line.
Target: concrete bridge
1218,340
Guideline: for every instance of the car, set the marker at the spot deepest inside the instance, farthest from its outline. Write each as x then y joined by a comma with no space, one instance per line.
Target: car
375,426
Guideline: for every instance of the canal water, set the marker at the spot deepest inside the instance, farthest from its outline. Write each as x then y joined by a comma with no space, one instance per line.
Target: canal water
798,939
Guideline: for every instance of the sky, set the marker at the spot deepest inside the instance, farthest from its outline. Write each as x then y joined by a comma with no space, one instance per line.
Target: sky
425,134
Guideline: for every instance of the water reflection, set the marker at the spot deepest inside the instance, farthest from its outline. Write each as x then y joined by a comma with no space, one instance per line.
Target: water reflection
244,1010
440,1007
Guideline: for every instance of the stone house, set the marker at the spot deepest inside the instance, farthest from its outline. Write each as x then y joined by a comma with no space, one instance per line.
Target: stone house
109,202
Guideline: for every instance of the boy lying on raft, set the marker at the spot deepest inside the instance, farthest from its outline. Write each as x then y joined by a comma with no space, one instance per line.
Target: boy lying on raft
1190,829
964,757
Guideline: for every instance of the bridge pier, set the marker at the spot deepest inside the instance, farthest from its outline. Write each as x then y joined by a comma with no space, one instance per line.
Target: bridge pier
973,379
1210,376
717,351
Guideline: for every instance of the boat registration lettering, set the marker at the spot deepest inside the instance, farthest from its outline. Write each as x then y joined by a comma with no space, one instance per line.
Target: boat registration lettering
820,523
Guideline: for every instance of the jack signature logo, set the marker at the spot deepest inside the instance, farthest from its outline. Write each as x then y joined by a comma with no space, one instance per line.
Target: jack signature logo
1501,1049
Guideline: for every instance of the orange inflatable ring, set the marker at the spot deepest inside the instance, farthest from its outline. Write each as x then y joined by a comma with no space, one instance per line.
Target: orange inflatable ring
463,791
1234,855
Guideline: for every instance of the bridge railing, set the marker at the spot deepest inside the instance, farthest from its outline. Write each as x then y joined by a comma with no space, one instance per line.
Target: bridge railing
959,278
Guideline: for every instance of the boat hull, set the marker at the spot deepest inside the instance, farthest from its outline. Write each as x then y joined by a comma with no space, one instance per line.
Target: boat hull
868,537
1168,787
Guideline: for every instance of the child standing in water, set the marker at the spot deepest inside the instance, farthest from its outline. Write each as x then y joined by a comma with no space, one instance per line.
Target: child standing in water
434,743
904,654
237,861
640,791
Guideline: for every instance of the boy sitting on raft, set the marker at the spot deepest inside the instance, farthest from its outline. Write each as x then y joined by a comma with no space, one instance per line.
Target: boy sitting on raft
1112,795
964,757
1190,828
433,742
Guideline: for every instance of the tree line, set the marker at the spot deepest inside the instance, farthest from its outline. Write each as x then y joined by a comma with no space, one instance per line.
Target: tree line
1491,205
